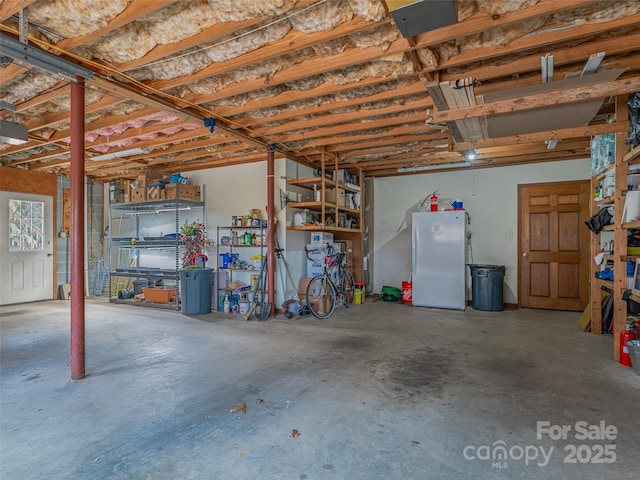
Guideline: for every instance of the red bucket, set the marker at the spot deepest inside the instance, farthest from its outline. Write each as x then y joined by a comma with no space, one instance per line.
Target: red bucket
407,292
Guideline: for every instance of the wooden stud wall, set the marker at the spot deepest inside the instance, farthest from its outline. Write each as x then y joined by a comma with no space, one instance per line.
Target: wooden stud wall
620,234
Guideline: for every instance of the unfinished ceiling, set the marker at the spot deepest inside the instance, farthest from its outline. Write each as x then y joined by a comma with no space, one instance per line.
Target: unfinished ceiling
313,79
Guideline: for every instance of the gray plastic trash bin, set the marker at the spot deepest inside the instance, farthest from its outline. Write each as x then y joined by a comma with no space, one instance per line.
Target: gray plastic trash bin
634,353
195,286
138,284
486,287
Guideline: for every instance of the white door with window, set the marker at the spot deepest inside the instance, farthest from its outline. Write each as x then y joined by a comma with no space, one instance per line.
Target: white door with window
26,247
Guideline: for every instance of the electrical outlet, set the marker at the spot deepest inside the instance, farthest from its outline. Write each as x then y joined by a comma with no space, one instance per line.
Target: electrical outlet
510,235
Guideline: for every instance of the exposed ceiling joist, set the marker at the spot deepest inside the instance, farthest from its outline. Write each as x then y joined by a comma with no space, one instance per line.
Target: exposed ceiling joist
358,94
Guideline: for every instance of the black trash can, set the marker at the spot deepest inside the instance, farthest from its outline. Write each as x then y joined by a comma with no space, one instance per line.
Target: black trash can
486,287
138,284
195,287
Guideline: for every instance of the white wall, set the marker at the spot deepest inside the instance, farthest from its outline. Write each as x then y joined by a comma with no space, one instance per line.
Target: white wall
234,190
490,197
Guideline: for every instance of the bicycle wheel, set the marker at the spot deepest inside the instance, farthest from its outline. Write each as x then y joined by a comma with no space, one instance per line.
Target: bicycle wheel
348,288
321,297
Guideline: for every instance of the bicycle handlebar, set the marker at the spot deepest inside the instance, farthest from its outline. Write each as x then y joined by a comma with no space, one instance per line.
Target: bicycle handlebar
326,248
331,260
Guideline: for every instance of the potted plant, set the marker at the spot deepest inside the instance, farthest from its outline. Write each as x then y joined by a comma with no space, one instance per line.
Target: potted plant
194,238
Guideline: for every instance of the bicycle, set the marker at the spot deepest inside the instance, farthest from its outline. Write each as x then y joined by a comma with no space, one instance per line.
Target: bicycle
323,293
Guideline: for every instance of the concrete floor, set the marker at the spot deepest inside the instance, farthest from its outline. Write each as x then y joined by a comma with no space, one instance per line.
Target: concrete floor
381,391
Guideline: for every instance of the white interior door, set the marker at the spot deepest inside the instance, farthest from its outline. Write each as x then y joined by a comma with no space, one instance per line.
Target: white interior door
26,247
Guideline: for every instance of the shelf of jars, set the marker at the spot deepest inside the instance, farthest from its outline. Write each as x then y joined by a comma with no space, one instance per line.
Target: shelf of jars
333,205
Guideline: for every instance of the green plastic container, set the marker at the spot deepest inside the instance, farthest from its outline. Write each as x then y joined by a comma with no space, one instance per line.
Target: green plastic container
390,294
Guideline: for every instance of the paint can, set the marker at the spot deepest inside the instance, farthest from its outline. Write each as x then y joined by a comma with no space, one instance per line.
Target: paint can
200,260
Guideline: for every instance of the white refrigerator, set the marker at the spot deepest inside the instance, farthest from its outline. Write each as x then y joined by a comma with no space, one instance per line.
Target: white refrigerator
438,270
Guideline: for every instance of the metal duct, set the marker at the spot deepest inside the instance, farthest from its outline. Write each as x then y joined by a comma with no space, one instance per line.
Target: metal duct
413,18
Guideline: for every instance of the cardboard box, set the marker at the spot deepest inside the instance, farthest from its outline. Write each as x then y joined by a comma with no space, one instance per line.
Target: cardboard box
316,262
320,238
126,191
119,191
138,194
585,320
115,191
151,177
304,283
320,305
181,191
315,259
314,269
345,176
335,195
346,247
155,192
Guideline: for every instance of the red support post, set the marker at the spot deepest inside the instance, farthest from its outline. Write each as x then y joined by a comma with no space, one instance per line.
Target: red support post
271,221
77,230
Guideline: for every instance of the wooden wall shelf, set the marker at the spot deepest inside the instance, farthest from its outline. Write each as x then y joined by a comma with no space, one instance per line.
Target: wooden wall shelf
329,215
620,256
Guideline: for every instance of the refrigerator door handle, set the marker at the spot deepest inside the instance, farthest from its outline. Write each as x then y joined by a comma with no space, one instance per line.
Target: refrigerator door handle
414,247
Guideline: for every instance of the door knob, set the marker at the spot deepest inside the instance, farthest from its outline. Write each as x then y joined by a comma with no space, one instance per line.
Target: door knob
49,254
525,254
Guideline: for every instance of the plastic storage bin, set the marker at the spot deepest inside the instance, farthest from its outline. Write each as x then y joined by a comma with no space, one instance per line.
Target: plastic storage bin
196,291
487,287
159,294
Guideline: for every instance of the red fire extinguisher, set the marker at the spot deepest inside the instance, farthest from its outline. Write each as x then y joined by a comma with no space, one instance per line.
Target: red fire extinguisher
625,336
434,202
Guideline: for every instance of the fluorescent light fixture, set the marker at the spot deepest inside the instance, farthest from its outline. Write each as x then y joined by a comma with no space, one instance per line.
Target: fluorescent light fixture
13,133
469,154
442,166
169,209
123,153
23,53
157,210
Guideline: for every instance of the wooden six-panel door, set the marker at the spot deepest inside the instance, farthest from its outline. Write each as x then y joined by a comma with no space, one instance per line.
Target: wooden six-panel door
553,245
